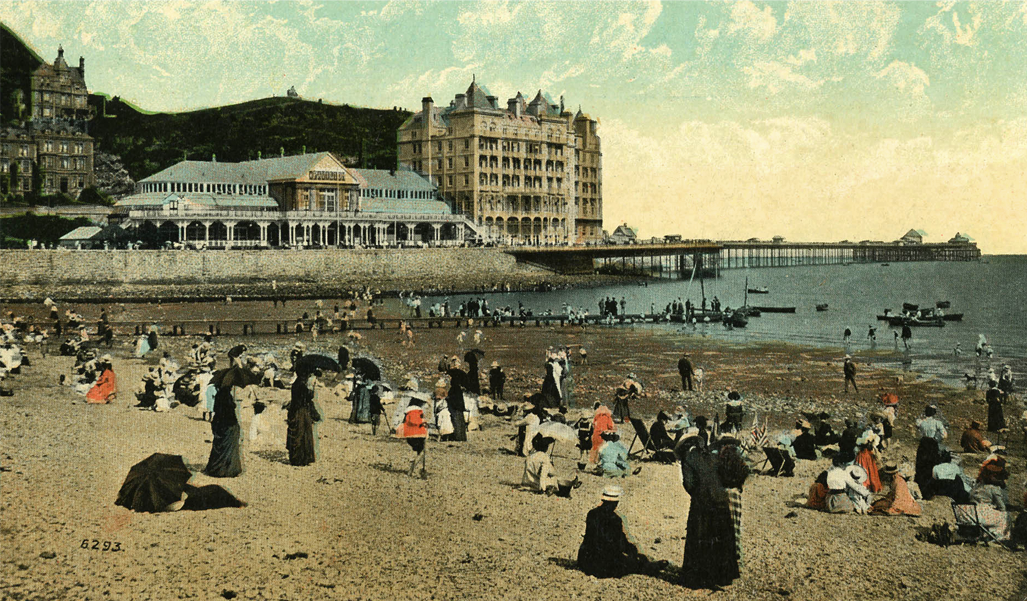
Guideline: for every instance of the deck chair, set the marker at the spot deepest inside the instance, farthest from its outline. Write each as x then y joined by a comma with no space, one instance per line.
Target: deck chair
777,460
641,436
969,525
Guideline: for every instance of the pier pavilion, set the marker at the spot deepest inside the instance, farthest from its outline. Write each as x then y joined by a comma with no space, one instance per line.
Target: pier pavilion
309,200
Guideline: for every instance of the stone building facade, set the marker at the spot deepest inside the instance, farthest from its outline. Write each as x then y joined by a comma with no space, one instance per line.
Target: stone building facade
526,173
59,114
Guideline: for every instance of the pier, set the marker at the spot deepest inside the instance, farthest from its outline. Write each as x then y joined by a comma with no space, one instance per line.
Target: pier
678,258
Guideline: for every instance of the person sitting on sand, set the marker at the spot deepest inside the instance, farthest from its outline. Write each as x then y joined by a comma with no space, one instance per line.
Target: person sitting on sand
867,460
106,386
973,440
817,496
898,501
805,444
538,468
659,435
824,434
992,477
613,457
948,479
607,550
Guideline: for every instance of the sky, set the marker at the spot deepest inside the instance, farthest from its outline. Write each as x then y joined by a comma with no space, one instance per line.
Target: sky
722,120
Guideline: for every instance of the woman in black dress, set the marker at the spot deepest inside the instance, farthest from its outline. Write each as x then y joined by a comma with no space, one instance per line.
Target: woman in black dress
455,401
224,461
301,439
550,390
711,557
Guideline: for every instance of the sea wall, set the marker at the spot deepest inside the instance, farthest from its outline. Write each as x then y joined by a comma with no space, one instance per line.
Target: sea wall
254,267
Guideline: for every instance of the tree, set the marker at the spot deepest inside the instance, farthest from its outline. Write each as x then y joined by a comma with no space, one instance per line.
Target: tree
38,177
15,177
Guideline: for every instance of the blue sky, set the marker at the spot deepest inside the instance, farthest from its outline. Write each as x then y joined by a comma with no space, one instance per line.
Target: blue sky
816,121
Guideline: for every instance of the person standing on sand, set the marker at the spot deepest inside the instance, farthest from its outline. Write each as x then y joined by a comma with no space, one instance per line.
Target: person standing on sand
849,369
225,460
415,431
301,437
928,453
711,558
995,399
497,381
686,371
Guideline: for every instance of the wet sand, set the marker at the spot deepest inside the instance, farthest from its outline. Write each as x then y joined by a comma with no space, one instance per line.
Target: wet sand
370,532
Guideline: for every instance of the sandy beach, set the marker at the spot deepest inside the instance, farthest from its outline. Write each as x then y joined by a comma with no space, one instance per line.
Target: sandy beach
354,526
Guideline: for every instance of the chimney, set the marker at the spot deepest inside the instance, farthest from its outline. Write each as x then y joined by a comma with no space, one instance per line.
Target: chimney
82,67
427,104
460,102
514,106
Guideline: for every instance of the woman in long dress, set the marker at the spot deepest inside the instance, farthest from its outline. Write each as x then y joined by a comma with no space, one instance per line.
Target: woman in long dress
361,400
711,557
455,402
550,389
301,438
225,461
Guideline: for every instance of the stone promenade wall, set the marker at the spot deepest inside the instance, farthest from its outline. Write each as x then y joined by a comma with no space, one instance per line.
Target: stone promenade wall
187,267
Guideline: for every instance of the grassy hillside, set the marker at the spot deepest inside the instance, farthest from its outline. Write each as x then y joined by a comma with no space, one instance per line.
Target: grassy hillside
17,62
149,142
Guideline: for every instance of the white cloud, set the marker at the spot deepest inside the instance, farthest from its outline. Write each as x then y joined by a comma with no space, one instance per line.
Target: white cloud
747,18
905,77
777,76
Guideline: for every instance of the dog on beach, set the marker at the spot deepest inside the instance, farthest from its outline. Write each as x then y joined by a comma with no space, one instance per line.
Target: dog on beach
697,378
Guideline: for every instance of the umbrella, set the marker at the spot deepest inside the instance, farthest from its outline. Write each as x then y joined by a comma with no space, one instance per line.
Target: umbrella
234,376
211,496
559,431
473,354
308,363
154,483
367,369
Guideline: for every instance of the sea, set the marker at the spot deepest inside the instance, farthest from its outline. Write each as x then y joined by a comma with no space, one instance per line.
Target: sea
989,293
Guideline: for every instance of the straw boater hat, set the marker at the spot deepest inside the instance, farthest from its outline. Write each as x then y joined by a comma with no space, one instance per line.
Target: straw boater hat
890,468
299,346
495,364
612,493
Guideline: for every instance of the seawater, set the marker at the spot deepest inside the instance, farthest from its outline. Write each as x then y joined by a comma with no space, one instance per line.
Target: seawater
989,293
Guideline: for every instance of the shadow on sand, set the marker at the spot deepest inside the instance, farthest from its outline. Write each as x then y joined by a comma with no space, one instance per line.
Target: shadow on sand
669,574
274,456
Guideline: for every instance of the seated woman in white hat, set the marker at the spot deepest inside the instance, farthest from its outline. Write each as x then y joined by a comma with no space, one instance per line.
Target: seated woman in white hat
539,475
613,456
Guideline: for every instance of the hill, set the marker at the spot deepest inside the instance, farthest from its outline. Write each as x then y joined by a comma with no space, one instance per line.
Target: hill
148,142
17,62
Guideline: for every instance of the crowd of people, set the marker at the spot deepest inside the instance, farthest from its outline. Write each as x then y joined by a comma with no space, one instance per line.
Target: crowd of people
715,457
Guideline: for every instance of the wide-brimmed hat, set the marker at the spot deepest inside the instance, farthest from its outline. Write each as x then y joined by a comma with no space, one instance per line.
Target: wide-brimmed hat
612,493
857,473
998,450
411,384
495,364
734,396
299,346
890,468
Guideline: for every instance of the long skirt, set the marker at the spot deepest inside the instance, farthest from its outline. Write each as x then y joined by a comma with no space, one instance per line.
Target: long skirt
996,419
361,413
225,461
459,427
300,439
927,456
621,411
711,550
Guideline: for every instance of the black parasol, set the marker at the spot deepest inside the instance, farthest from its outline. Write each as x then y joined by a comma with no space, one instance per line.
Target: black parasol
234,376
473,356
154,483
367,369
308,363
211,496
237,351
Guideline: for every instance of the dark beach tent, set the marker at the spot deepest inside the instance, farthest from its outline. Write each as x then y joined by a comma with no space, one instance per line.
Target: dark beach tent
211,496
367,369
306,364
154,483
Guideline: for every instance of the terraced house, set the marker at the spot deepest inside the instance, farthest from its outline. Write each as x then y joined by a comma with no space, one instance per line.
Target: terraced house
528,172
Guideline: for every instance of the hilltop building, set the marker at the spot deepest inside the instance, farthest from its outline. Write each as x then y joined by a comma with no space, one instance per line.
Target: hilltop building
308,200
529,172
61,160
913,237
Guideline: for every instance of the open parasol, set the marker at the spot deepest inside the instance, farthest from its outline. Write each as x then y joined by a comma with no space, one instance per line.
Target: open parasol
154,483
367,369
308,363
234,376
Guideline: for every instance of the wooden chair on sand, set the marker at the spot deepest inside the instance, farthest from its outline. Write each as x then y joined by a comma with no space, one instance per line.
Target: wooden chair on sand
642,436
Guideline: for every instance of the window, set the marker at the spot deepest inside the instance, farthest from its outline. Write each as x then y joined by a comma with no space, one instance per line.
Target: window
467,162
449,162
467,144
65,163
449,180
466,180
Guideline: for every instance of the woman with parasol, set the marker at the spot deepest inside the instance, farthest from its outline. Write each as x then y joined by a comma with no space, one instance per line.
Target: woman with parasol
225,460
301,437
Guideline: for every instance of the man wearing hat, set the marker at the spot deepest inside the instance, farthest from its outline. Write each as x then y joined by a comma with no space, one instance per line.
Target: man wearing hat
607,550
849,369
497,381
805,444
686,371
992,478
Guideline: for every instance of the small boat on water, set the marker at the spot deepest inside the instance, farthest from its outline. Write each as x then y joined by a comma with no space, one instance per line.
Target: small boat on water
884,264
822,307
759,290
943,304
930,322
776,309
952,317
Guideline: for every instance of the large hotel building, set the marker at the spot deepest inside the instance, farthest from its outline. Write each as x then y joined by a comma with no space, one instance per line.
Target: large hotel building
528,173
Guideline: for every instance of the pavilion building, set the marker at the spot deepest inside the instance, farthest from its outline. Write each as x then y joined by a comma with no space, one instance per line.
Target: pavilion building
308,200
